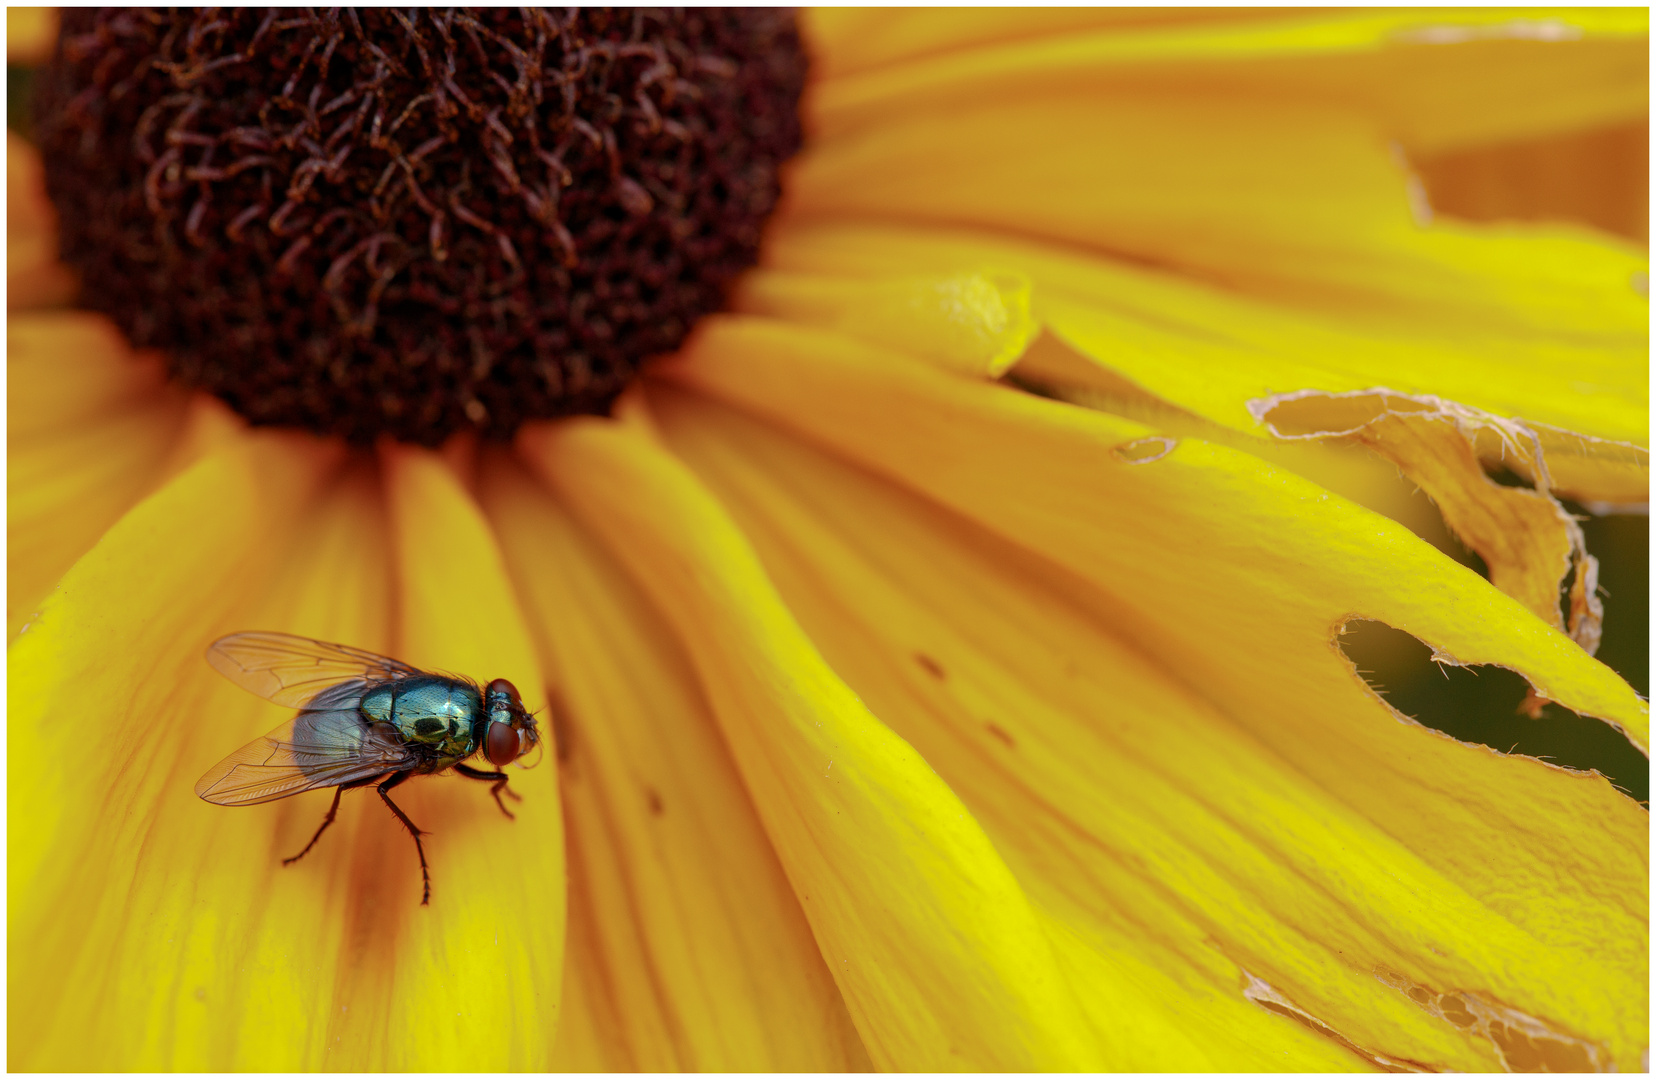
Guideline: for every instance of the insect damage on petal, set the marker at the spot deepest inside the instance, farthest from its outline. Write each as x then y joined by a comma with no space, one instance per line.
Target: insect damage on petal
1268,997
1526,537
1143,451
1524,1043
1489,705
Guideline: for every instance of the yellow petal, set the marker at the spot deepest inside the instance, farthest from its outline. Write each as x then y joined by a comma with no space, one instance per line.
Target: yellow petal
1133,812
938,635
1220,567
1537,326
30,34
848,40
974,323
34,277
491,943
130,899
1605,474
71,366
1293,203
903,891
857,397
688,950
1234,186
89,430
253,998
1600,176
1429,78
1348,469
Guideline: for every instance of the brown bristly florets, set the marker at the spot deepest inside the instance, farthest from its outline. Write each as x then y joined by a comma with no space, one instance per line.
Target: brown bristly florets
372,221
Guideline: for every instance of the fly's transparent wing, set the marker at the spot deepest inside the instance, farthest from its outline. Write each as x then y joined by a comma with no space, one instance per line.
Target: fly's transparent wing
317,748
293,670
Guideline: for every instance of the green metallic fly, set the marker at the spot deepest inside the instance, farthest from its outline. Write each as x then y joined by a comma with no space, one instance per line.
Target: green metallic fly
362,718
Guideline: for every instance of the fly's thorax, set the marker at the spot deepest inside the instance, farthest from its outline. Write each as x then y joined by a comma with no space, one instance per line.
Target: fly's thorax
436,712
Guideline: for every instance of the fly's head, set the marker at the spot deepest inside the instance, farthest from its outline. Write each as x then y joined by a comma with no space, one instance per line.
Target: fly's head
512,732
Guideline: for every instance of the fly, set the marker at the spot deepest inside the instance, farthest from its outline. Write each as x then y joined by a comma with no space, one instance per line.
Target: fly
363,719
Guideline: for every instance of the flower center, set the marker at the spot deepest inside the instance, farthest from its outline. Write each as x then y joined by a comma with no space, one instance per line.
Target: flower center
370,222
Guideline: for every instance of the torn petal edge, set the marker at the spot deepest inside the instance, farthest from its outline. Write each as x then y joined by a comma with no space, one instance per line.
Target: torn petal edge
1583,620
1509,432
1534,698
1271,999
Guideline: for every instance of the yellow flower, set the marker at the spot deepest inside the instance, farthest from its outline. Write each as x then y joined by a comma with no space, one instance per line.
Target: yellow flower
904,718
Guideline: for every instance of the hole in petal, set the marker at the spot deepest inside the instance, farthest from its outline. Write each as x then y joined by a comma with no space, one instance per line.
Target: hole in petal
1482,703
1506,477
1143,451
1525,1043
1454,1010
1621,542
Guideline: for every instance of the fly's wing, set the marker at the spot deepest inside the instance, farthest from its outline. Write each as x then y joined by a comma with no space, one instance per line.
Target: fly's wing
293,670
317,748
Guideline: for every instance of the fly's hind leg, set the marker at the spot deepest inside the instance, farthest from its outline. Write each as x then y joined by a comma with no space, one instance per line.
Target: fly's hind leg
413,830
329,820
499,779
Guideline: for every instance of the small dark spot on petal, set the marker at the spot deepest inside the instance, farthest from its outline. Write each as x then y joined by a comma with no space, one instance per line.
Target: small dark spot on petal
654,799
563,729
933,668
1001,733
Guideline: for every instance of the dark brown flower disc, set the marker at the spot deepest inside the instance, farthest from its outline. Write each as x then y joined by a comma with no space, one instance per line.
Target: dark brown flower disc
371,221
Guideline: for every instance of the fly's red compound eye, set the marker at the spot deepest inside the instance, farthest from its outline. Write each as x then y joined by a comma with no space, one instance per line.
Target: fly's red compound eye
502,747
501,686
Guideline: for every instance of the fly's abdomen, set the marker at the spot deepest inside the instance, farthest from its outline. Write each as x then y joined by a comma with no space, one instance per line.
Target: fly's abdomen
433,712
321,739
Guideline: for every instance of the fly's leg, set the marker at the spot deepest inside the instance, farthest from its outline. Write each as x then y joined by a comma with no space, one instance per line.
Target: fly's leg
499,779
322,828
413,830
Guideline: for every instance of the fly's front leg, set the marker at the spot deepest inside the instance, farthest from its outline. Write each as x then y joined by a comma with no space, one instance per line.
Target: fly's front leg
413,830
499,779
